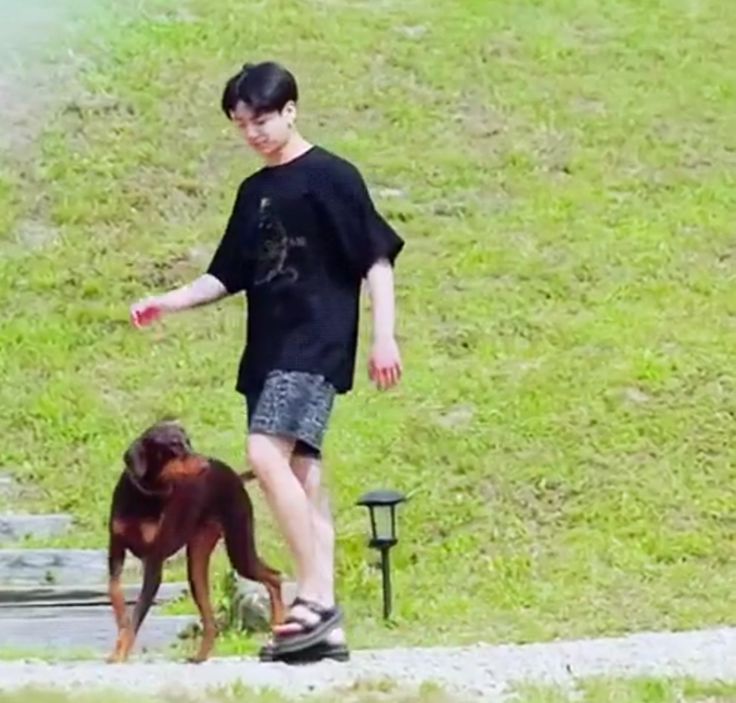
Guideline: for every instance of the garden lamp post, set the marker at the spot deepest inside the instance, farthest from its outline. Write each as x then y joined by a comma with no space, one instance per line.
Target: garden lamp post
382,508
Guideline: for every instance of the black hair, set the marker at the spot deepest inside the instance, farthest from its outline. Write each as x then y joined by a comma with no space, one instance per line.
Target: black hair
263,87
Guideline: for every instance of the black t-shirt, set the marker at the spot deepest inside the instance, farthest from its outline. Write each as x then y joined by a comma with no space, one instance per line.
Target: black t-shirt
300,240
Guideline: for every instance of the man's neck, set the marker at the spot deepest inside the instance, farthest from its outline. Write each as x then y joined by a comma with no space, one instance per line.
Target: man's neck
294,148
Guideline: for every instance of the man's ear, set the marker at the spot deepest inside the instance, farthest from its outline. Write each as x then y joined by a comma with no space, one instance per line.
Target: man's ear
290,112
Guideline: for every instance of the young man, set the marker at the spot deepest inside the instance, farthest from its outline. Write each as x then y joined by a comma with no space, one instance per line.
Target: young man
302,237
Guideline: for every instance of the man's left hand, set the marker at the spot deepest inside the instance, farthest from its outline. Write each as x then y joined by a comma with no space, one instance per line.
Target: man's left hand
384,365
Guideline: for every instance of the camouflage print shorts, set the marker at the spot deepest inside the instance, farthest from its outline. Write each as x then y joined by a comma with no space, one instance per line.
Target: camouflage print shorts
292,404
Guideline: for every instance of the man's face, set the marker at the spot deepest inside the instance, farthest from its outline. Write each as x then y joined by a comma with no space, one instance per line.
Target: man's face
265,132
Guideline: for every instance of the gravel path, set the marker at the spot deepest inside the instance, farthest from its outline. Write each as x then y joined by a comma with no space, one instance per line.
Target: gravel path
481,672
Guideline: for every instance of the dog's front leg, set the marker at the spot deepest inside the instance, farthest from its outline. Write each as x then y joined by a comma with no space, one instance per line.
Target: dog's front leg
115,562
153,568
151,583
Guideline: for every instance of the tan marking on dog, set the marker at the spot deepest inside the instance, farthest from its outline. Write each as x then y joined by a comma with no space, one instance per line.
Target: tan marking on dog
119,527
178,469
149,530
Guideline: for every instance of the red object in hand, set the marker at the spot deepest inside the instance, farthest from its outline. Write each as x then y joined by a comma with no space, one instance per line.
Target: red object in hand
146,315
384,364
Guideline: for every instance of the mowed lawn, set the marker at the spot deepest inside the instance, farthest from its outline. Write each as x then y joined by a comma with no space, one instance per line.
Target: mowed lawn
563,174
589,690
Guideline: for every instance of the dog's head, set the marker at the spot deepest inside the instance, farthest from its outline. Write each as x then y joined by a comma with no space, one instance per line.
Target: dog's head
153,449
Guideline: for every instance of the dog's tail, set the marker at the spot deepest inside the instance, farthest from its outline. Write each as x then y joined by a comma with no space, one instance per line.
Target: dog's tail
246,476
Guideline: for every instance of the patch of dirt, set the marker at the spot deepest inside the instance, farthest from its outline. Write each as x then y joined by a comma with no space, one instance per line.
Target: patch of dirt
636,396
26,98
388,192
553,151
38,75
412,31
33,235
457,417
479,120
37,66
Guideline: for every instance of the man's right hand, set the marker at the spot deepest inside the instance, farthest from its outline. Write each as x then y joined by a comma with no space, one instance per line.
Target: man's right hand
203,290
146,311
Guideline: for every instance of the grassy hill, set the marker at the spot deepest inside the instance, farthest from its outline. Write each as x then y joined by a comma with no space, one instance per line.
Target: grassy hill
563,173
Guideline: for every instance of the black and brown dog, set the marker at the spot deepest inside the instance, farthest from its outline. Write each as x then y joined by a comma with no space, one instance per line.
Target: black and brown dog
169,497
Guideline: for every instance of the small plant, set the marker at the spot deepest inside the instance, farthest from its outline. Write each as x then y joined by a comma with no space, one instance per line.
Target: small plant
228,614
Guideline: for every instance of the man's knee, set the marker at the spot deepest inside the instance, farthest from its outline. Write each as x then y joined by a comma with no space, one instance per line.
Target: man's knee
267,455
308,471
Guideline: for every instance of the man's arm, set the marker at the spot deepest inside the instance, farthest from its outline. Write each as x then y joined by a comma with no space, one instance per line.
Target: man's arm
384,366
370,246
380,280
203,290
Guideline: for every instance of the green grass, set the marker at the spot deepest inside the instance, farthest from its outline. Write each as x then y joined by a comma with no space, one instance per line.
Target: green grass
631,691
16,654
566,303
362,692
584,691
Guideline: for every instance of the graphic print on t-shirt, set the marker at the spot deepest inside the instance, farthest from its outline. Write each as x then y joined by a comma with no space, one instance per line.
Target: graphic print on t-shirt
275,244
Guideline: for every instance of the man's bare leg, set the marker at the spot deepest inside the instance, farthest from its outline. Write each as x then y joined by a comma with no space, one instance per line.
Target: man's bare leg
269,456
308,471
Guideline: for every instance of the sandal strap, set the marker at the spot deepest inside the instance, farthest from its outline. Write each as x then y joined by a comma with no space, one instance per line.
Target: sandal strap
315,607
295,620
320,611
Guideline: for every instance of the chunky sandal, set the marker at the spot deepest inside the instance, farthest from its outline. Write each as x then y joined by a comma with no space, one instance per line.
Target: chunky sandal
311,633
311,655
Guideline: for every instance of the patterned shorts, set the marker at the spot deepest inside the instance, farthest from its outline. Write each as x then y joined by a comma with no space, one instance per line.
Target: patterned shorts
292,404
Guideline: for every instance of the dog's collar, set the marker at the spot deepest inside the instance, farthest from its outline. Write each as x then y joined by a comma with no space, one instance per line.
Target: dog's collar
142,489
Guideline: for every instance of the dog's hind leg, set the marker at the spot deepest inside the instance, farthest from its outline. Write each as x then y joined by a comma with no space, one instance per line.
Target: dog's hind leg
239,529
116,560
271,579
199,549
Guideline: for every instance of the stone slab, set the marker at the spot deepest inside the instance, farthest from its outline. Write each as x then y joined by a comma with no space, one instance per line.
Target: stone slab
8,490
15,527
67,632
61,567
21,597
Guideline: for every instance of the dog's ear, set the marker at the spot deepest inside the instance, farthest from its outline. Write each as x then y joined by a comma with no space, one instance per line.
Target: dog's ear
135,460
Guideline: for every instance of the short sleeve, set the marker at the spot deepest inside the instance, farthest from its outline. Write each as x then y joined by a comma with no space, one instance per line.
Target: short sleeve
363,234
228,262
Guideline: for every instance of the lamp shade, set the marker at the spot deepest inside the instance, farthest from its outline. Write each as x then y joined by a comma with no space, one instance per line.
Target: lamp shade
382,507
